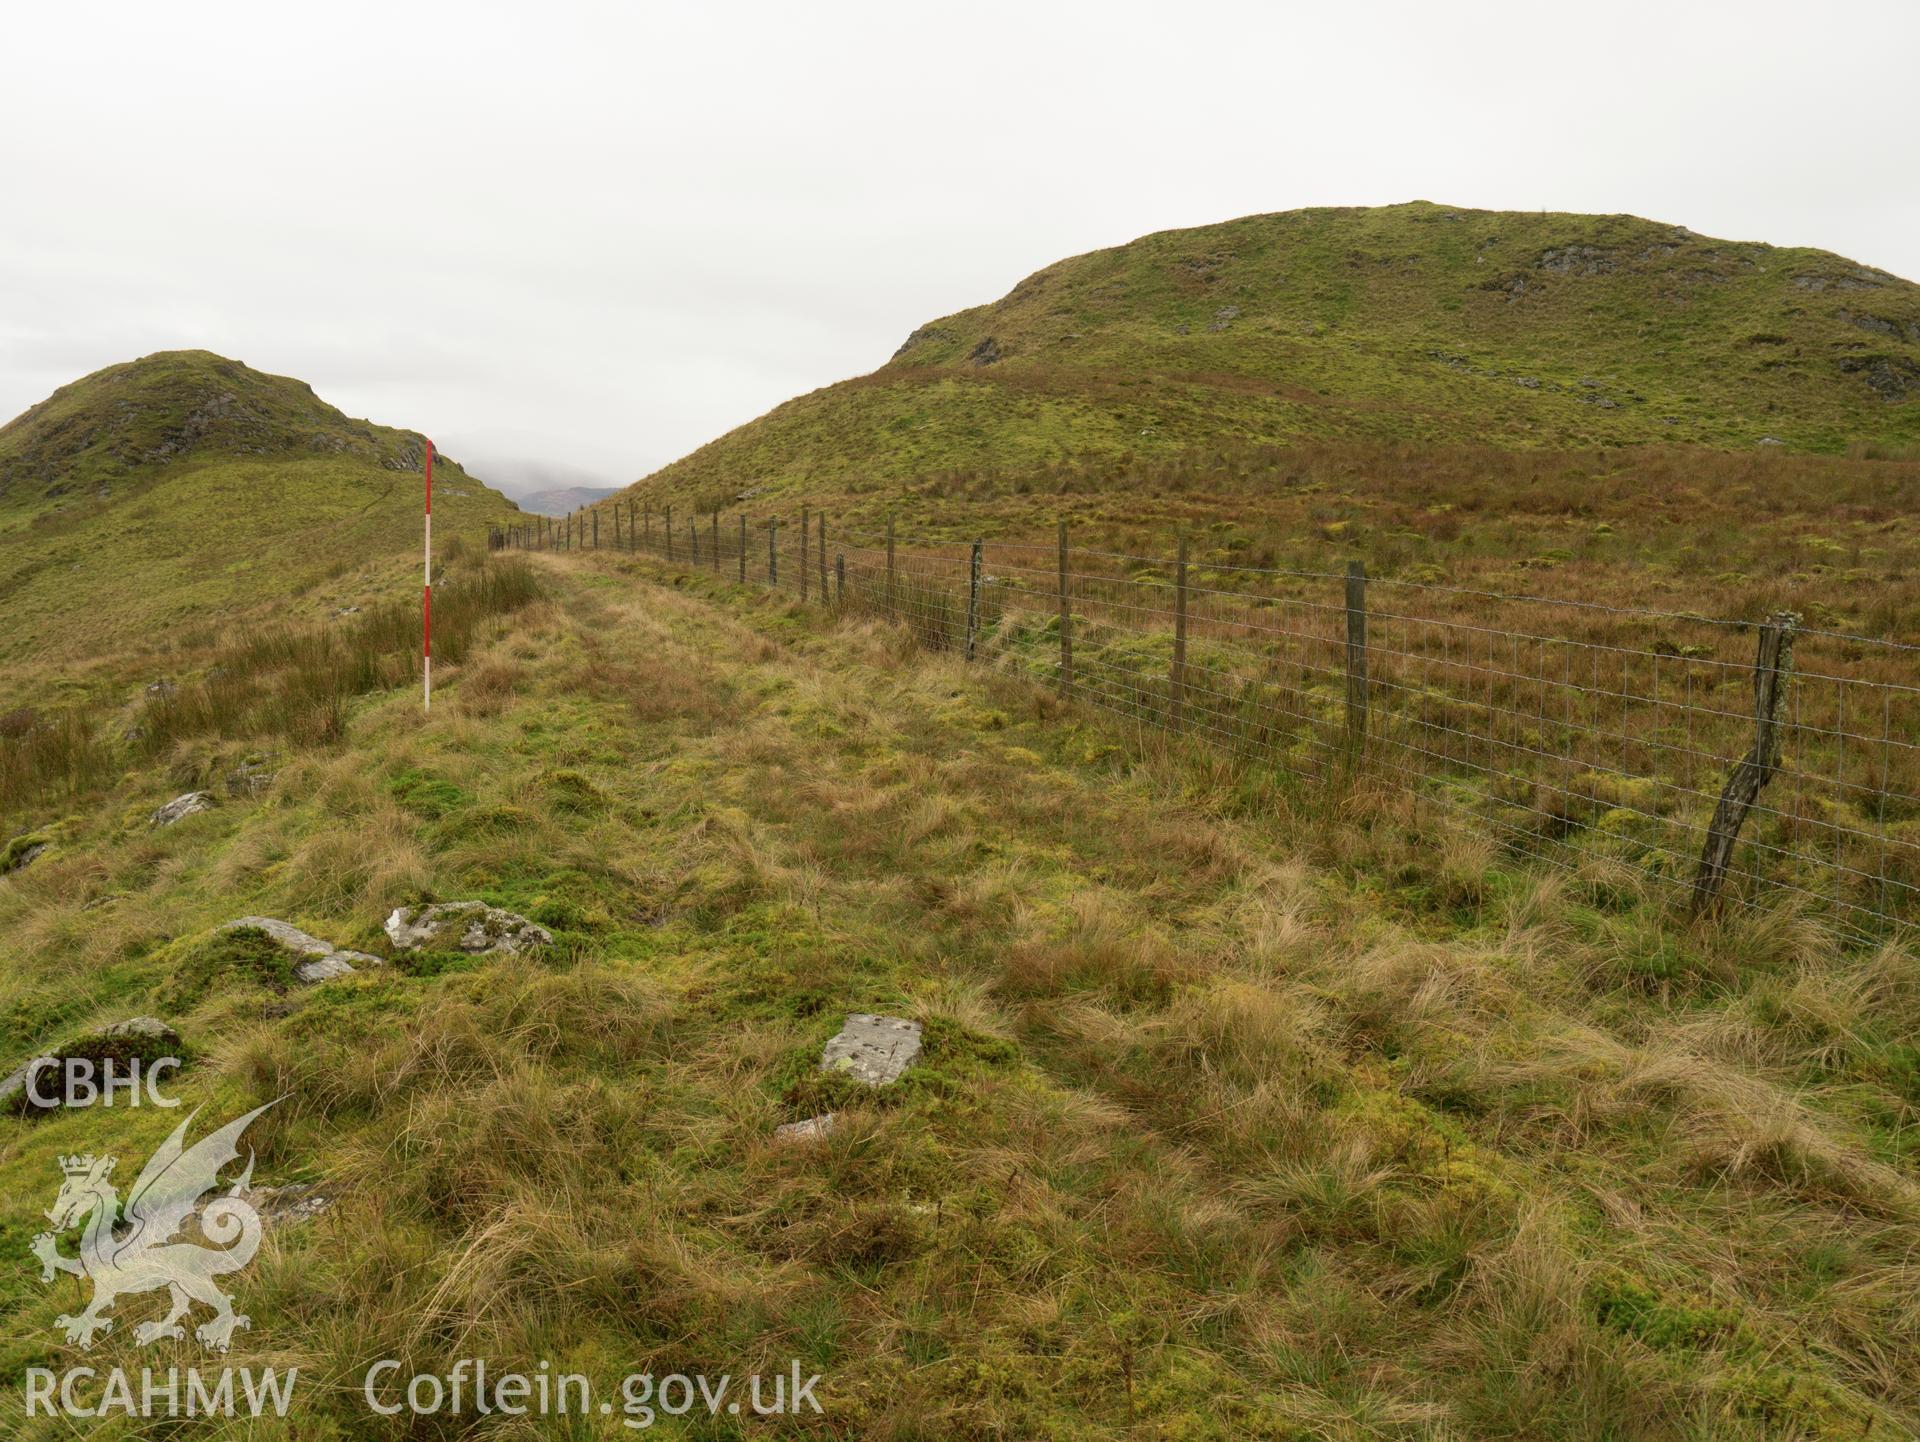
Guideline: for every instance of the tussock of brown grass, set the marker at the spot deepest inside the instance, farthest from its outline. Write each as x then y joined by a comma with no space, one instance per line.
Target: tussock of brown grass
1099,947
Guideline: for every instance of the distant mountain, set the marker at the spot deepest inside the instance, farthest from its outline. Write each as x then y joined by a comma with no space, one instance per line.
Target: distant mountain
185,487
1414,323
564,500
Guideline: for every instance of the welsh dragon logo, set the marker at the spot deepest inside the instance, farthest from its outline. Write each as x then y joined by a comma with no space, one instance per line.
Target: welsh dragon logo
138,1252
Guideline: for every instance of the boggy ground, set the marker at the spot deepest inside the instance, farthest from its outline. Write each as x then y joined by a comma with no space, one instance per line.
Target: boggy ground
1235,1119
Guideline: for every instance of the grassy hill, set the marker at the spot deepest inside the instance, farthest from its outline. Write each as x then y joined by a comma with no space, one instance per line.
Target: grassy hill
1403,324
151,502
1247,1109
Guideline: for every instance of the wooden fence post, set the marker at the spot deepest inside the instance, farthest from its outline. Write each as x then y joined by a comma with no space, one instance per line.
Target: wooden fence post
616,525
647,516
743,548
773,554
973,599
1177,697
596,530
893,608
1066,621
1357,703
823,558
840,579
693,534
666,529
1772,670
804,528
633,536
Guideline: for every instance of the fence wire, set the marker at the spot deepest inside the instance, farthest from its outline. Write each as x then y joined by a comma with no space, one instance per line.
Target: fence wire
1569,728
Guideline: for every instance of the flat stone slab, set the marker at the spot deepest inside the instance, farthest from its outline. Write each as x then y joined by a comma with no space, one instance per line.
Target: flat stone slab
324,961
875,1049
182,807
149,1026
813,1129
469,926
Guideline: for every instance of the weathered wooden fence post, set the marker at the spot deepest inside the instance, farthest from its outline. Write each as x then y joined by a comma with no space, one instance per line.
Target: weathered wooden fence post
773,554
840,579
1177,695
1066,621
805,526
893,608
616,525
1357,702
1772,670
743,548
647,516
693,535
633,536
823,558
973,598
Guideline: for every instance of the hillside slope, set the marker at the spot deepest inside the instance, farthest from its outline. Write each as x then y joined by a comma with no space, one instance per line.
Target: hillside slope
186,488
1406,323
1233,1120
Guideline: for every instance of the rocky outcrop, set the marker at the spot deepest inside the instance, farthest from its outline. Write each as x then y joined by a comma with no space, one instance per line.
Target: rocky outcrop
317,960
469,926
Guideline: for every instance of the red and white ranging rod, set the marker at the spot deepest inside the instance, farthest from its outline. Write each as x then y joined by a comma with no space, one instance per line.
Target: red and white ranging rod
426,599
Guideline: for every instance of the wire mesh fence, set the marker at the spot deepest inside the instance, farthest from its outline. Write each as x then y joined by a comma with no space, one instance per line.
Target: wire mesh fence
1660,739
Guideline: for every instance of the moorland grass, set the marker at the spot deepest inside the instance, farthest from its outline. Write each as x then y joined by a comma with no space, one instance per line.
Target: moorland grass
1231,1121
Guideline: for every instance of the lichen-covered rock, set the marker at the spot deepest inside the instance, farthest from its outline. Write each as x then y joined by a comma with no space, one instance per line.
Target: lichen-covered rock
251,777
323,960
149,1027
813,1129
469,926
294,1202
182,807
283,1206
875,1049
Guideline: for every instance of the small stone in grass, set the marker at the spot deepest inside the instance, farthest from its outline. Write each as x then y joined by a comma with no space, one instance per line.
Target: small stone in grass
875,1049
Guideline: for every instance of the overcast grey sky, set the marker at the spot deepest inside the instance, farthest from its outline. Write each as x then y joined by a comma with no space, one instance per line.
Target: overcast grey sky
592,236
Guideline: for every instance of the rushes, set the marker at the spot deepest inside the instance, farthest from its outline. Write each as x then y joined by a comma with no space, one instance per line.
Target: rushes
291,683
